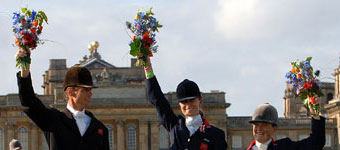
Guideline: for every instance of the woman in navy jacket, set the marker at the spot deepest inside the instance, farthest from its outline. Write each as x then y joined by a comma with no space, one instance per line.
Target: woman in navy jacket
191,132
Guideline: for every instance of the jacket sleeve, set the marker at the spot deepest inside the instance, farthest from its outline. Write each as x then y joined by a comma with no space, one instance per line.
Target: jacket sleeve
33,107
157,98
317,138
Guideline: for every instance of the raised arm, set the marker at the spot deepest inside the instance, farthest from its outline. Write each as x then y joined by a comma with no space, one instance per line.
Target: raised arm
34,108
315,141
157,98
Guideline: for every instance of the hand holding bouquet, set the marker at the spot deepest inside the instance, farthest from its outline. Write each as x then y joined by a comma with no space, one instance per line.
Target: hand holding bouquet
307,86
143,42
27,26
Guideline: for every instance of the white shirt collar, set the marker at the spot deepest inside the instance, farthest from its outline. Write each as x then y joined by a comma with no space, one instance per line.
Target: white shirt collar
193,123
195,120
76,113
82,120
263,146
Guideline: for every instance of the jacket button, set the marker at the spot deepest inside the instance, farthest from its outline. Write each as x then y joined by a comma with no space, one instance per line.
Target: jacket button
188,139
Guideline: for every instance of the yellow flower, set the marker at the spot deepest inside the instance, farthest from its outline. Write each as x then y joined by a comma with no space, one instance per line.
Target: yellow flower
137,17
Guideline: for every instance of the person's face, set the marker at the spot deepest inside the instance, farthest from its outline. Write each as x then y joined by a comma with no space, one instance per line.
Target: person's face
191,107
262,131
81,97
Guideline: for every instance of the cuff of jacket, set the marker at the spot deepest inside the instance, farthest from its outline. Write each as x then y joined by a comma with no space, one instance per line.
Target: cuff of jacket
24,84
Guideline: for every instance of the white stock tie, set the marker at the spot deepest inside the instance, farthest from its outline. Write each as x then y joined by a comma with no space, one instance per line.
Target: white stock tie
79,117
193,123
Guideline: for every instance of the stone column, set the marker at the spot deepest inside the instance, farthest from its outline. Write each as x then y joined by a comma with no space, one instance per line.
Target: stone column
10,130
143,134
336,87
223,126
154,135
34,138
120,135
338,129
337,80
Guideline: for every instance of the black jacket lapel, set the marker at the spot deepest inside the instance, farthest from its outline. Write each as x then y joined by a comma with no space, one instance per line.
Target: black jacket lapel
93,124
70,121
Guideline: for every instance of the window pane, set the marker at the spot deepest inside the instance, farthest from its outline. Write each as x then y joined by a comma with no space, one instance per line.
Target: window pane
328,140
131,137
109,127
236,141
23,137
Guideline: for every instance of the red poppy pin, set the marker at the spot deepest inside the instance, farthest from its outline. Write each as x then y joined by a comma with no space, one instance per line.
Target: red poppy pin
100,131
204,146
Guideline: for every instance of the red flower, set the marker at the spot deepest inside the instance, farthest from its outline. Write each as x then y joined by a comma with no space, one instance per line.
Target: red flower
35,23
299,76
33,30
308,85
147,47
100,131
146,34
312,100
150,54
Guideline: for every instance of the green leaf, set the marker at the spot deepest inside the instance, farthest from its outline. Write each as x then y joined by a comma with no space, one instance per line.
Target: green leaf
303,95
144,51
309,59
133,49
23,10
149,12
138,42
41,14
28,13
319,93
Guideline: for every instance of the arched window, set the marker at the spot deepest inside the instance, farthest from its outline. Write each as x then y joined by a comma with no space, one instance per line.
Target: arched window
131,137
2,139
110,128
163,138
23,137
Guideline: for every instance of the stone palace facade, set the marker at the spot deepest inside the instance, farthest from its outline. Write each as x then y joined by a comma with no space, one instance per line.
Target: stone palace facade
121,104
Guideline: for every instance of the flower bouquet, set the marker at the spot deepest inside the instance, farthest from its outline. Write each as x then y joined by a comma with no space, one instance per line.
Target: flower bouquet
27,26
143,42
307,86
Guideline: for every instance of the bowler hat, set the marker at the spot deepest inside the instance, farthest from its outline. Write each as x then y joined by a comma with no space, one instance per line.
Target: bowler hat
187,90
14,145
265,113
78,76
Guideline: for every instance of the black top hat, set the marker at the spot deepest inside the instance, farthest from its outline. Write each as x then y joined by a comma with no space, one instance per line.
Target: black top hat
187,90
78,76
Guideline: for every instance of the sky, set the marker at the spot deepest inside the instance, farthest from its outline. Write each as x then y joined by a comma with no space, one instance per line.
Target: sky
243,48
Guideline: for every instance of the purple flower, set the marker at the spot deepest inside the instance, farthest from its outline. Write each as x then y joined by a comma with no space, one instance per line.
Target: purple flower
288,75
16,18
34,13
